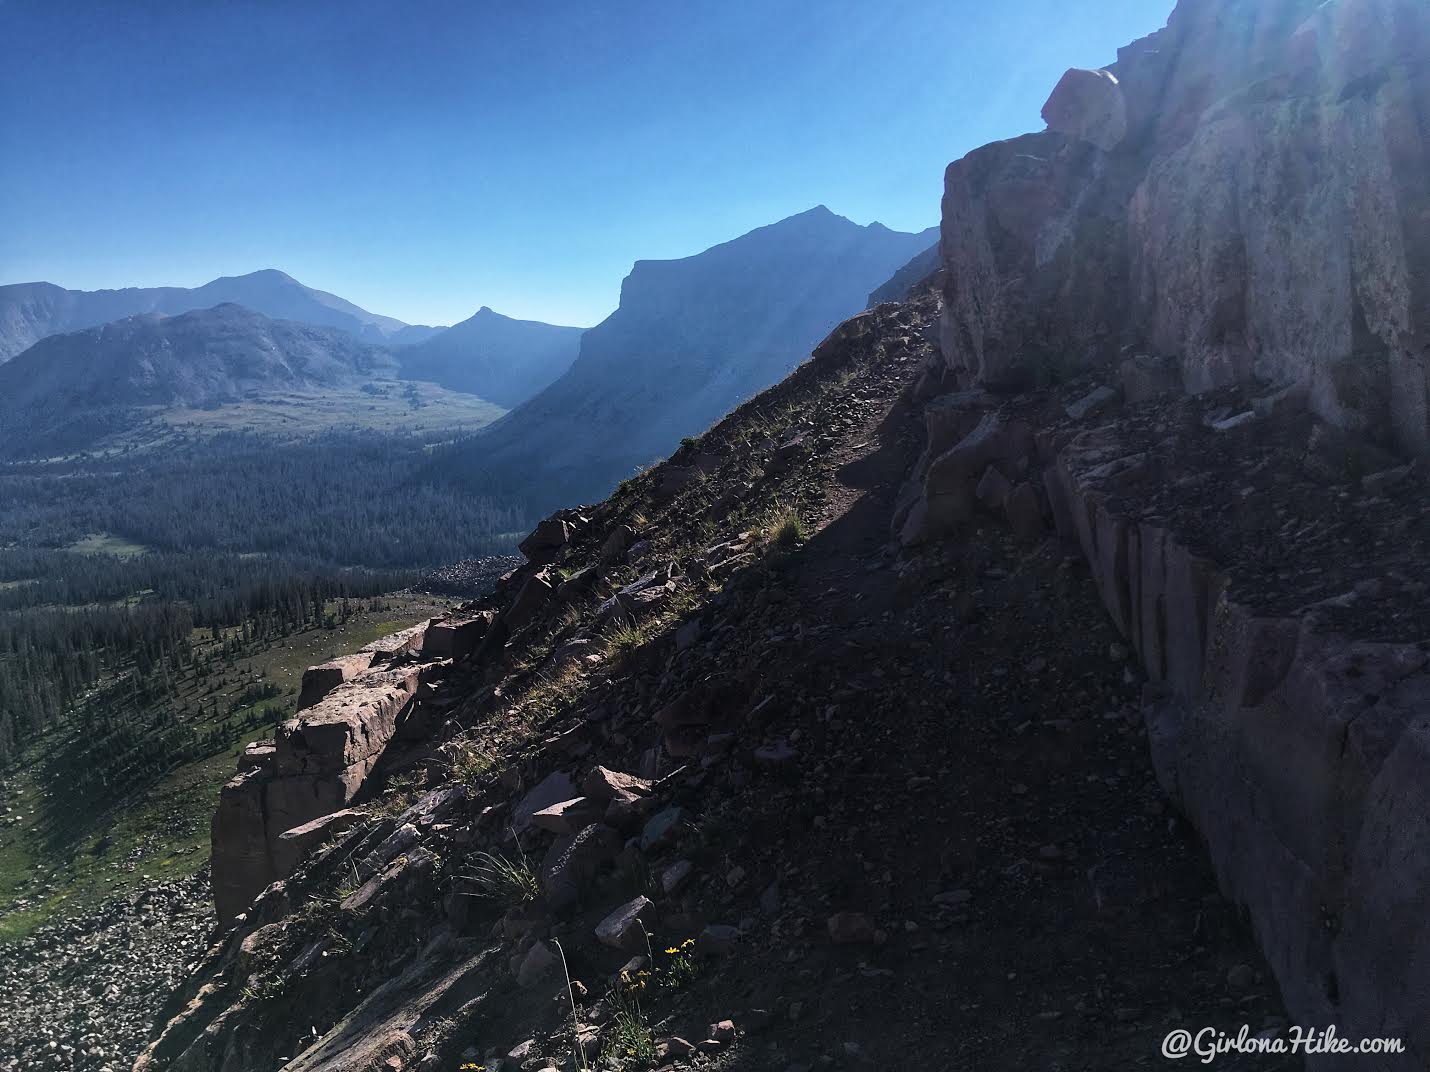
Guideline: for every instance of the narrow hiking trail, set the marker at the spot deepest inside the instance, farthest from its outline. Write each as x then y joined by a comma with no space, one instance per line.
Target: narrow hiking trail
974,776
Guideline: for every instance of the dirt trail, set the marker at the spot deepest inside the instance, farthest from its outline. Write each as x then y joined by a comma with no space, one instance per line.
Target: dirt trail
975,779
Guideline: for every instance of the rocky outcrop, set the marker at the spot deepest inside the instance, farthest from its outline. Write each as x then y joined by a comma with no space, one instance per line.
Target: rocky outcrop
1297,750
1286,713
1243,192
317,764
320,680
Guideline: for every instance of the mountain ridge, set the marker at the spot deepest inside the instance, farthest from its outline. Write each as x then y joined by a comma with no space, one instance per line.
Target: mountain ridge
497,357
67,386
692,337
30,312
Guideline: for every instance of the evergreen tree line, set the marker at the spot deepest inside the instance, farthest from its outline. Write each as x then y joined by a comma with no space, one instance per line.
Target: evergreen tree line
54,659
225,587
352,498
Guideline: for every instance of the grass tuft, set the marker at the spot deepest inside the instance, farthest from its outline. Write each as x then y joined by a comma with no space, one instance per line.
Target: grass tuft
788,528
623,639
629,1043
508,882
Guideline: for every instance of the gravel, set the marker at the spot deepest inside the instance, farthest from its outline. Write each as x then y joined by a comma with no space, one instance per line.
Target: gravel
82,994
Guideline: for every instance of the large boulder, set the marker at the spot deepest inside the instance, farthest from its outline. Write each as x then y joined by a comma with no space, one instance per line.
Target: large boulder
531,599
1089,106
951,484
320,680
546,541
456,638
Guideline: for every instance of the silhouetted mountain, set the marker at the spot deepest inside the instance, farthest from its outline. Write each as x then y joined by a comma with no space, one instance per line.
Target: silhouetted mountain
30,312
916,271
692,339
66,389
503,360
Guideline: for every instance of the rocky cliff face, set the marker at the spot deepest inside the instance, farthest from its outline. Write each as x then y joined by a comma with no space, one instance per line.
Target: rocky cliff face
1245,192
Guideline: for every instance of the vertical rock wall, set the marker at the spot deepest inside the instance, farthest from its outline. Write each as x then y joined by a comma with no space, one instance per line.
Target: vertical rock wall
1301,756
1247,191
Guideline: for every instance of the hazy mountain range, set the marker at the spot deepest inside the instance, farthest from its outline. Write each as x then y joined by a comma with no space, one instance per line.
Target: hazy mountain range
503,360
692,339
67,389
31,311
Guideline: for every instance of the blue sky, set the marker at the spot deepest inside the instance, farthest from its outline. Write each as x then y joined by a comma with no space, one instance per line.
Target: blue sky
426,158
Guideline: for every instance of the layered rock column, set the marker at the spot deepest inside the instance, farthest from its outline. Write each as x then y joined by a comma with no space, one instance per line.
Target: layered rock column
318,763
1300,755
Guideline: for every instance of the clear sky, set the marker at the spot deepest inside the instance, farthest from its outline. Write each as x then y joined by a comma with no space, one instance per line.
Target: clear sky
426,157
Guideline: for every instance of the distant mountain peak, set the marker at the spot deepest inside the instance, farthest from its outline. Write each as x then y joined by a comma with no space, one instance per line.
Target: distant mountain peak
275,274
30,312
692,338
493,356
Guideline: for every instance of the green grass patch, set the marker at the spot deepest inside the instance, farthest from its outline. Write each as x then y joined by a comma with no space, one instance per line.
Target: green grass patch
103,543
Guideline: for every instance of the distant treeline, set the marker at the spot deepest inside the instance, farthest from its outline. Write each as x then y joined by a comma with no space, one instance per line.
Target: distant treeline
53,657
226,588
243,533
351,498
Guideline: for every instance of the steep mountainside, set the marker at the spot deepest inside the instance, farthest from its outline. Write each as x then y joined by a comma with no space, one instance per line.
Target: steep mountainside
776,793
30,312
1035,678
902,281
692,338
503,360
66,386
